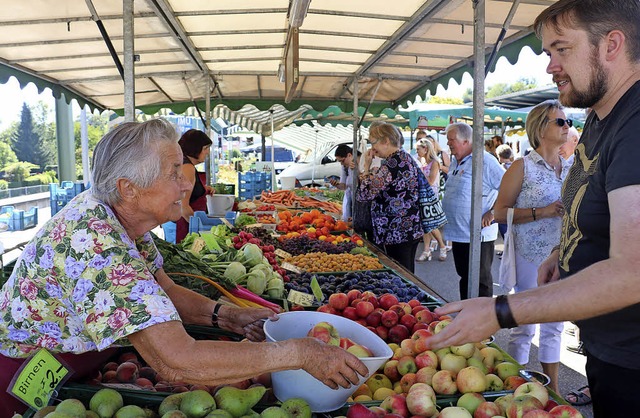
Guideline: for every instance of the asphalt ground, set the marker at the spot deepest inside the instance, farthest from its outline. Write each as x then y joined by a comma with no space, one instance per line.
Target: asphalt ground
441,276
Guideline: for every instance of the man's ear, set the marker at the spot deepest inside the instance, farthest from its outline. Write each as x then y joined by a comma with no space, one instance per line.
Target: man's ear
126,188
614,42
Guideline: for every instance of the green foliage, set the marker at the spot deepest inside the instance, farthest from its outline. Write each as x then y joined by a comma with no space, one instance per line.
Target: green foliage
96,128
42,178
235,153
46,132
4,185
444,100
19,171
7,156
500,89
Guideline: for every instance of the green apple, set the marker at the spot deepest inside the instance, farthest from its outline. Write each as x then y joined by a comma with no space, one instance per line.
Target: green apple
377,381
494,383
297,408
506,369
470,401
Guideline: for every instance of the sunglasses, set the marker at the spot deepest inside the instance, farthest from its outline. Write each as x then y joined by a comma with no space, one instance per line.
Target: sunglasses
560,122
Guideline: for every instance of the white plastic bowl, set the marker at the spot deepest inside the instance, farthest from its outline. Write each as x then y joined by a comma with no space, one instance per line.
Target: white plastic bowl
300,384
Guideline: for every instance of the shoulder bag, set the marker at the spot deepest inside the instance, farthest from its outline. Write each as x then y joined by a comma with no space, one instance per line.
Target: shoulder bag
507,272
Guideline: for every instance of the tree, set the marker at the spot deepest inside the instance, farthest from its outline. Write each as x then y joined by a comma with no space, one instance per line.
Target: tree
96,128
19,171
444,100
46,132
500,89
26,143
7,156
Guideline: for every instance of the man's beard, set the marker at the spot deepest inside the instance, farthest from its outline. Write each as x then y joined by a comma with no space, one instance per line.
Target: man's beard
595,92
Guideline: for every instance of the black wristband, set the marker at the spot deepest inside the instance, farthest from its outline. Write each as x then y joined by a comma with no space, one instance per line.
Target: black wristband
503,313
214,315
533,212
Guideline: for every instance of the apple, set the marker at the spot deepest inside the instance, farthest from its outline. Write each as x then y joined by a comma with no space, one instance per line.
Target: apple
387,300
506,369
397,333
453,363
523,404
512,382
487,410
353,294
538,413
328,309
465,350
325,332
350,313
421,400
491,356
338,301
398,309
425,316
346,342
407,364
354,302
504,402
441,325
391,370
389,318
493,383
565,411
550,405
377,381
407,381
357,410
534,389
425,375
471,379
407,347
382,393
442,352
363,308
416,309
378,411
479,364
396,404
360,351
444,382
432,326
419,325
372,298
363,389
420,338
383,332
408,320
454,412
374,318
470,401
405,307
426,359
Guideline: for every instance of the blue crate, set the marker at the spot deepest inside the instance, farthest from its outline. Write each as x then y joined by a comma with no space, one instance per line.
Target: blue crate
61,195
19,220
169,229
252,183
200,222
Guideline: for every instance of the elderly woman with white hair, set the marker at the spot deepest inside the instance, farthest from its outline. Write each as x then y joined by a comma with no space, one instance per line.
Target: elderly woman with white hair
92,280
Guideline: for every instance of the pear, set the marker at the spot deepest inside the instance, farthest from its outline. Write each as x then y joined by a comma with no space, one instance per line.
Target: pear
197,403
238,401
106,402
57,414
251,414
130,411
72,407
44,411
220,413
274,412
174,414
170,403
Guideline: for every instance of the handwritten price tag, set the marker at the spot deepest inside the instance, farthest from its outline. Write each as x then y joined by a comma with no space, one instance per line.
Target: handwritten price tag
282,253
38,379
300,298
226,222
291,267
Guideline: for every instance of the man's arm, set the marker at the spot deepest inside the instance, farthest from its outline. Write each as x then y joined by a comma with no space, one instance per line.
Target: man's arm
613,282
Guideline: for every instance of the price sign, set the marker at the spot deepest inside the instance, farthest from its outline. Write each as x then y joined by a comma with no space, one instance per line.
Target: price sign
226,222
291,267
38,378
300,298
258,225
282,253
315,288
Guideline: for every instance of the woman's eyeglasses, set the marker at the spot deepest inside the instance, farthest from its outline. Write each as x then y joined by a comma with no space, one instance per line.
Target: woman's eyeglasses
560,122
373,141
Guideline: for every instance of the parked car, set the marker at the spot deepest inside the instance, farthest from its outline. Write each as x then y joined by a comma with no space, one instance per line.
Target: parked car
314,172
283,156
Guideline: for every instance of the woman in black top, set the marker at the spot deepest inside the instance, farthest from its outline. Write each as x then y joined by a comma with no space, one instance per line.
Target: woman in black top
195,146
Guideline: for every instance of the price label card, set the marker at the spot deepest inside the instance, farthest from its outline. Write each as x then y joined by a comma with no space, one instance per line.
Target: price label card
226,222
258,225
38,379
300,298
291,267
282,253
315,288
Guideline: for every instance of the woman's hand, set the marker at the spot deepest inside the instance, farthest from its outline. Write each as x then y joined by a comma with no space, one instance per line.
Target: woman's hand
209,190
549,271
245,321
554,209
333,366
368,159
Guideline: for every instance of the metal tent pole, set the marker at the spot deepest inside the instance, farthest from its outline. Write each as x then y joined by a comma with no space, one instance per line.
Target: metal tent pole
84,139
356,129
129,71
273,154
211,176
478,147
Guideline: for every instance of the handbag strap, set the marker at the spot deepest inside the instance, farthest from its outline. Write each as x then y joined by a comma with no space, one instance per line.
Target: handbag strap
509,218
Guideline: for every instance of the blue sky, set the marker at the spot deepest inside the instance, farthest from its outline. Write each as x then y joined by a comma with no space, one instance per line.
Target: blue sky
529,66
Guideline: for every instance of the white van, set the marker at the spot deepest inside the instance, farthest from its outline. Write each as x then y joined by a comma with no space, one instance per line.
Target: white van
309,172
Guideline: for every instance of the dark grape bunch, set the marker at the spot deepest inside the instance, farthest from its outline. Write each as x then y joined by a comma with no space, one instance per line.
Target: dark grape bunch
379,283
263,234
304,245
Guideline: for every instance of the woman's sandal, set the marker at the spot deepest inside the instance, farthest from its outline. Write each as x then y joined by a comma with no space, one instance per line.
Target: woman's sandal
443,254
426,255
578,397
578,349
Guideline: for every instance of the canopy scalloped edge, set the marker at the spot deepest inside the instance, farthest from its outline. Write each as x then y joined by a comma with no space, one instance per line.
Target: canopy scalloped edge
24,78
511,52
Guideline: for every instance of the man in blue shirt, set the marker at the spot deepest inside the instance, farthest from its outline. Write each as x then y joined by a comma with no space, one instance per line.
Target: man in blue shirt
457,206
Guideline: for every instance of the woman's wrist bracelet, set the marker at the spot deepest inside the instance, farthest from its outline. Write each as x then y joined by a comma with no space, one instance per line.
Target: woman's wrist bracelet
503,313
533,212
214,315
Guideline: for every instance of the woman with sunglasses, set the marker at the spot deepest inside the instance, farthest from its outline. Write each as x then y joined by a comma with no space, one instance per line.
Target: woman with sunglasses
532,186
393,193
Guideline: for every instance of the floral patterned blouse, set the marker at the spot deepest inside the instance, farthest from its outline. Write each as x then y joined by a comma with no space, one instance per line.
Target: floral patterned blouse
81,284
393,192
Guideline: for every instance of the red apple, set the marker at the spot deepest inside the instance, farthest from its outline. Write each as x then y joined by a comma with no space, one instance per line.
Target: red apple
399,310
357,410
471,379
363,309
408,320
512,382
339,301
370,297
487,410
534,389
444,383
396,404
374,318
421,400
353,294
425,375
417,309
383,332
355,302
387,300
523,404
389,318
550,405
419,325
538,413
414,303
425,316
406,381
328,309
360,351
350,313
565,411
345,342
397,333
325,332
391,371
426,359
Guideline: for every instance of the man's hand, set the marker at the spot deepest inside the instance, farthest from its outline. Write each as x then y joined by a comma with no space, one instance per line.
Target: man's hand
474,322
487,219
549,271
333,366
